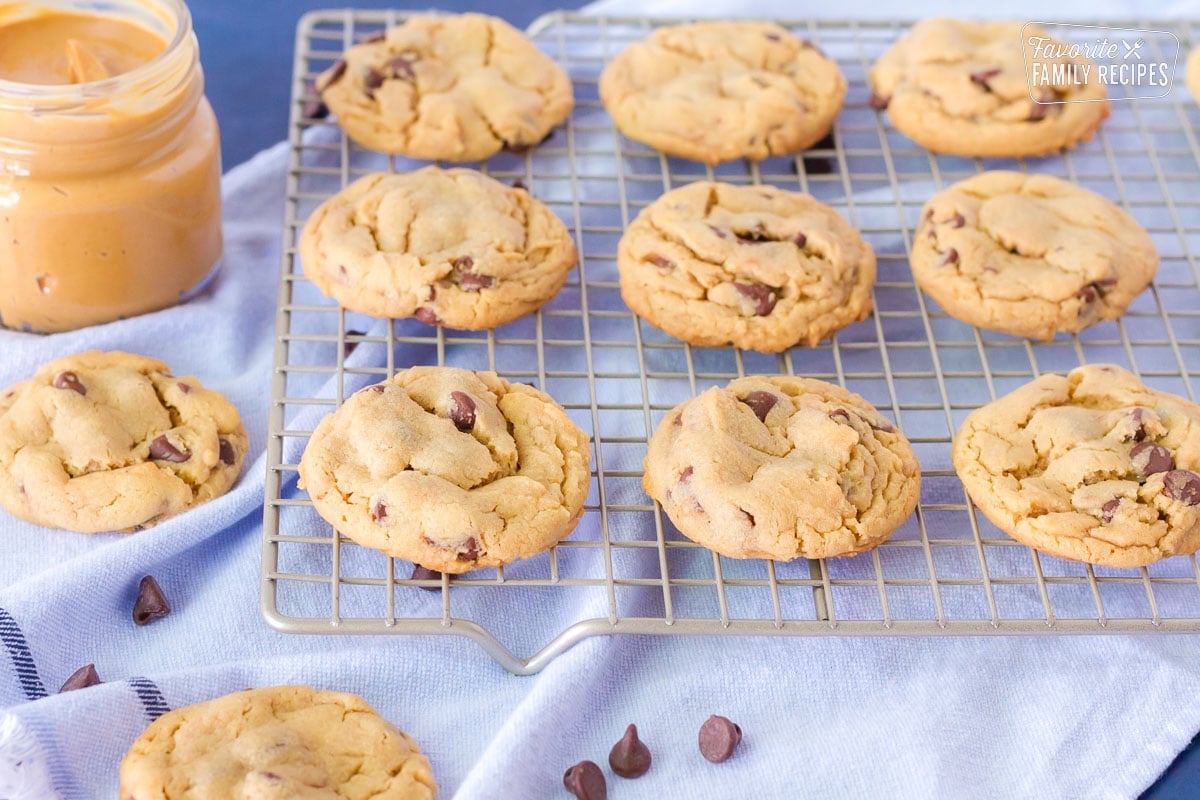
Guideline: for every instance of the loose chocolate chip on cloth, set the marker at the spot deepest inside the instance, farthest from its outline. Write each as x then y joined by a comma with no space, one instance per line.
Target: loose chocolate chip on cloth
968,88
1093,466
449,468
754,266
81,678
586,781
111,441
780,467
458,87
151,602
719,737
630,757
449,247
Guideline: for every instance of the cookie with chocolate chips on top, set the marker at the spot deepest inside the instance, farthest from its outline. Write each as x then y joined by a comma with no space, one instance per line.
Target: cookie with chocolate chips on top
1030,255
716,91
272,743
450,469
98,442
1092,466
450,247
780,467
967,88
455,87
757,267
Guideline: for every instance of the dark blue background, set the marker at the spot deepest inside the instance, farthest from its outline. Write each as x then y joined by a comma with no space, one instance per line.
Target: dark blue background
246,47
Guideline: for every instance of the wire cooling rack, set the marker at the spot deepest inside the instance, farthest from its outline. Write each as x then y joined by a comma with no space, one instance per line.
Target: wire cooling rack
626,569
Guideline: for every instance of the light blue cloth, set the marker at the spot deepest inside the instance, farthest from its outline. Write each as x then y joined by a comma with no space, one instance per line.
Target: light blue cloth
823,717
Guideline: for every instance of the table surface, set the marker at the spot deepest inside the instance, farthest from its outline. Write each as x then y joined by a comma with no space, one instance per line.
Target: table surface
247,55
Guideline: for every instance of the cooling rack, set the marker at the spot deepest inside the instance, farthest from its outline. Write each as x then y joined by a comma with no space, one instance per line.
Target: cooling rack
626,569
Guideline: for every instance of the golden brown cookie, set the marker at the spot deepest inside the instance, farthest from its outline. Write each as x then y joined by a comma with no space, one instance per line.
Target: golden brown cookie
457,87
1092,466
113,441
964,87
276,743
780,467
449,468
754,266
715,91
1030,255
450,247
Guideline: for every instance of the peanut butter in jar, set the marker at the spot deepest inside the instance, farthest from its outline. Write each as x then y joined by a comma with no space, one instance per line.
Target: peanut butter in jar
110,167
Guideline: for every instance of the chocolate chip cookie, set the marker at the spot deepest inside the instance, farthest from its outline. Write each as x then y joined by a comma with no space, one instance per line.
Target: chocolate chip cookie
1093,466
1030,255
283,741
753,266
779,467
967,88
457,87
715,91
449,468
450,247
113,442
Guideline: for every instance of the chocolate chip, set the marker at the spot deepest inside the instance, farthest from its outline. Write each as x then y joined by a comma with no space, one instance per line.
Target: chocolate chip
882,425
379,511
951,257
474,281
756,235
1139,428
1150,459
719,738
774,37
840,414
957,221
428,316
462,412
334,74
470,550
678,420
226,452
81,678
879,102
420,573
1182,485
686,474
660,262
151,603
520,184
372,80
799,240
163,450
1046,104
983,76
762,296
1108,509
586,781
630,758
402,66
1088,294
348,347
314,109
69,380
760,403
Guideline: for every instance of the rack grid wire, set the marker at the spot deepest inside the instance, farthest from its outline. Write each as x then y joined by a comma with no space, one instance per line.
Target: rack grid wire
626,569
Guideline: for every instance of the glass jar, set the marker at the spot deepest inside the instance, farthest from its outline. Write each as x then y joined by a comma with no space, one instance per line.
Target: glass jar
110,193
